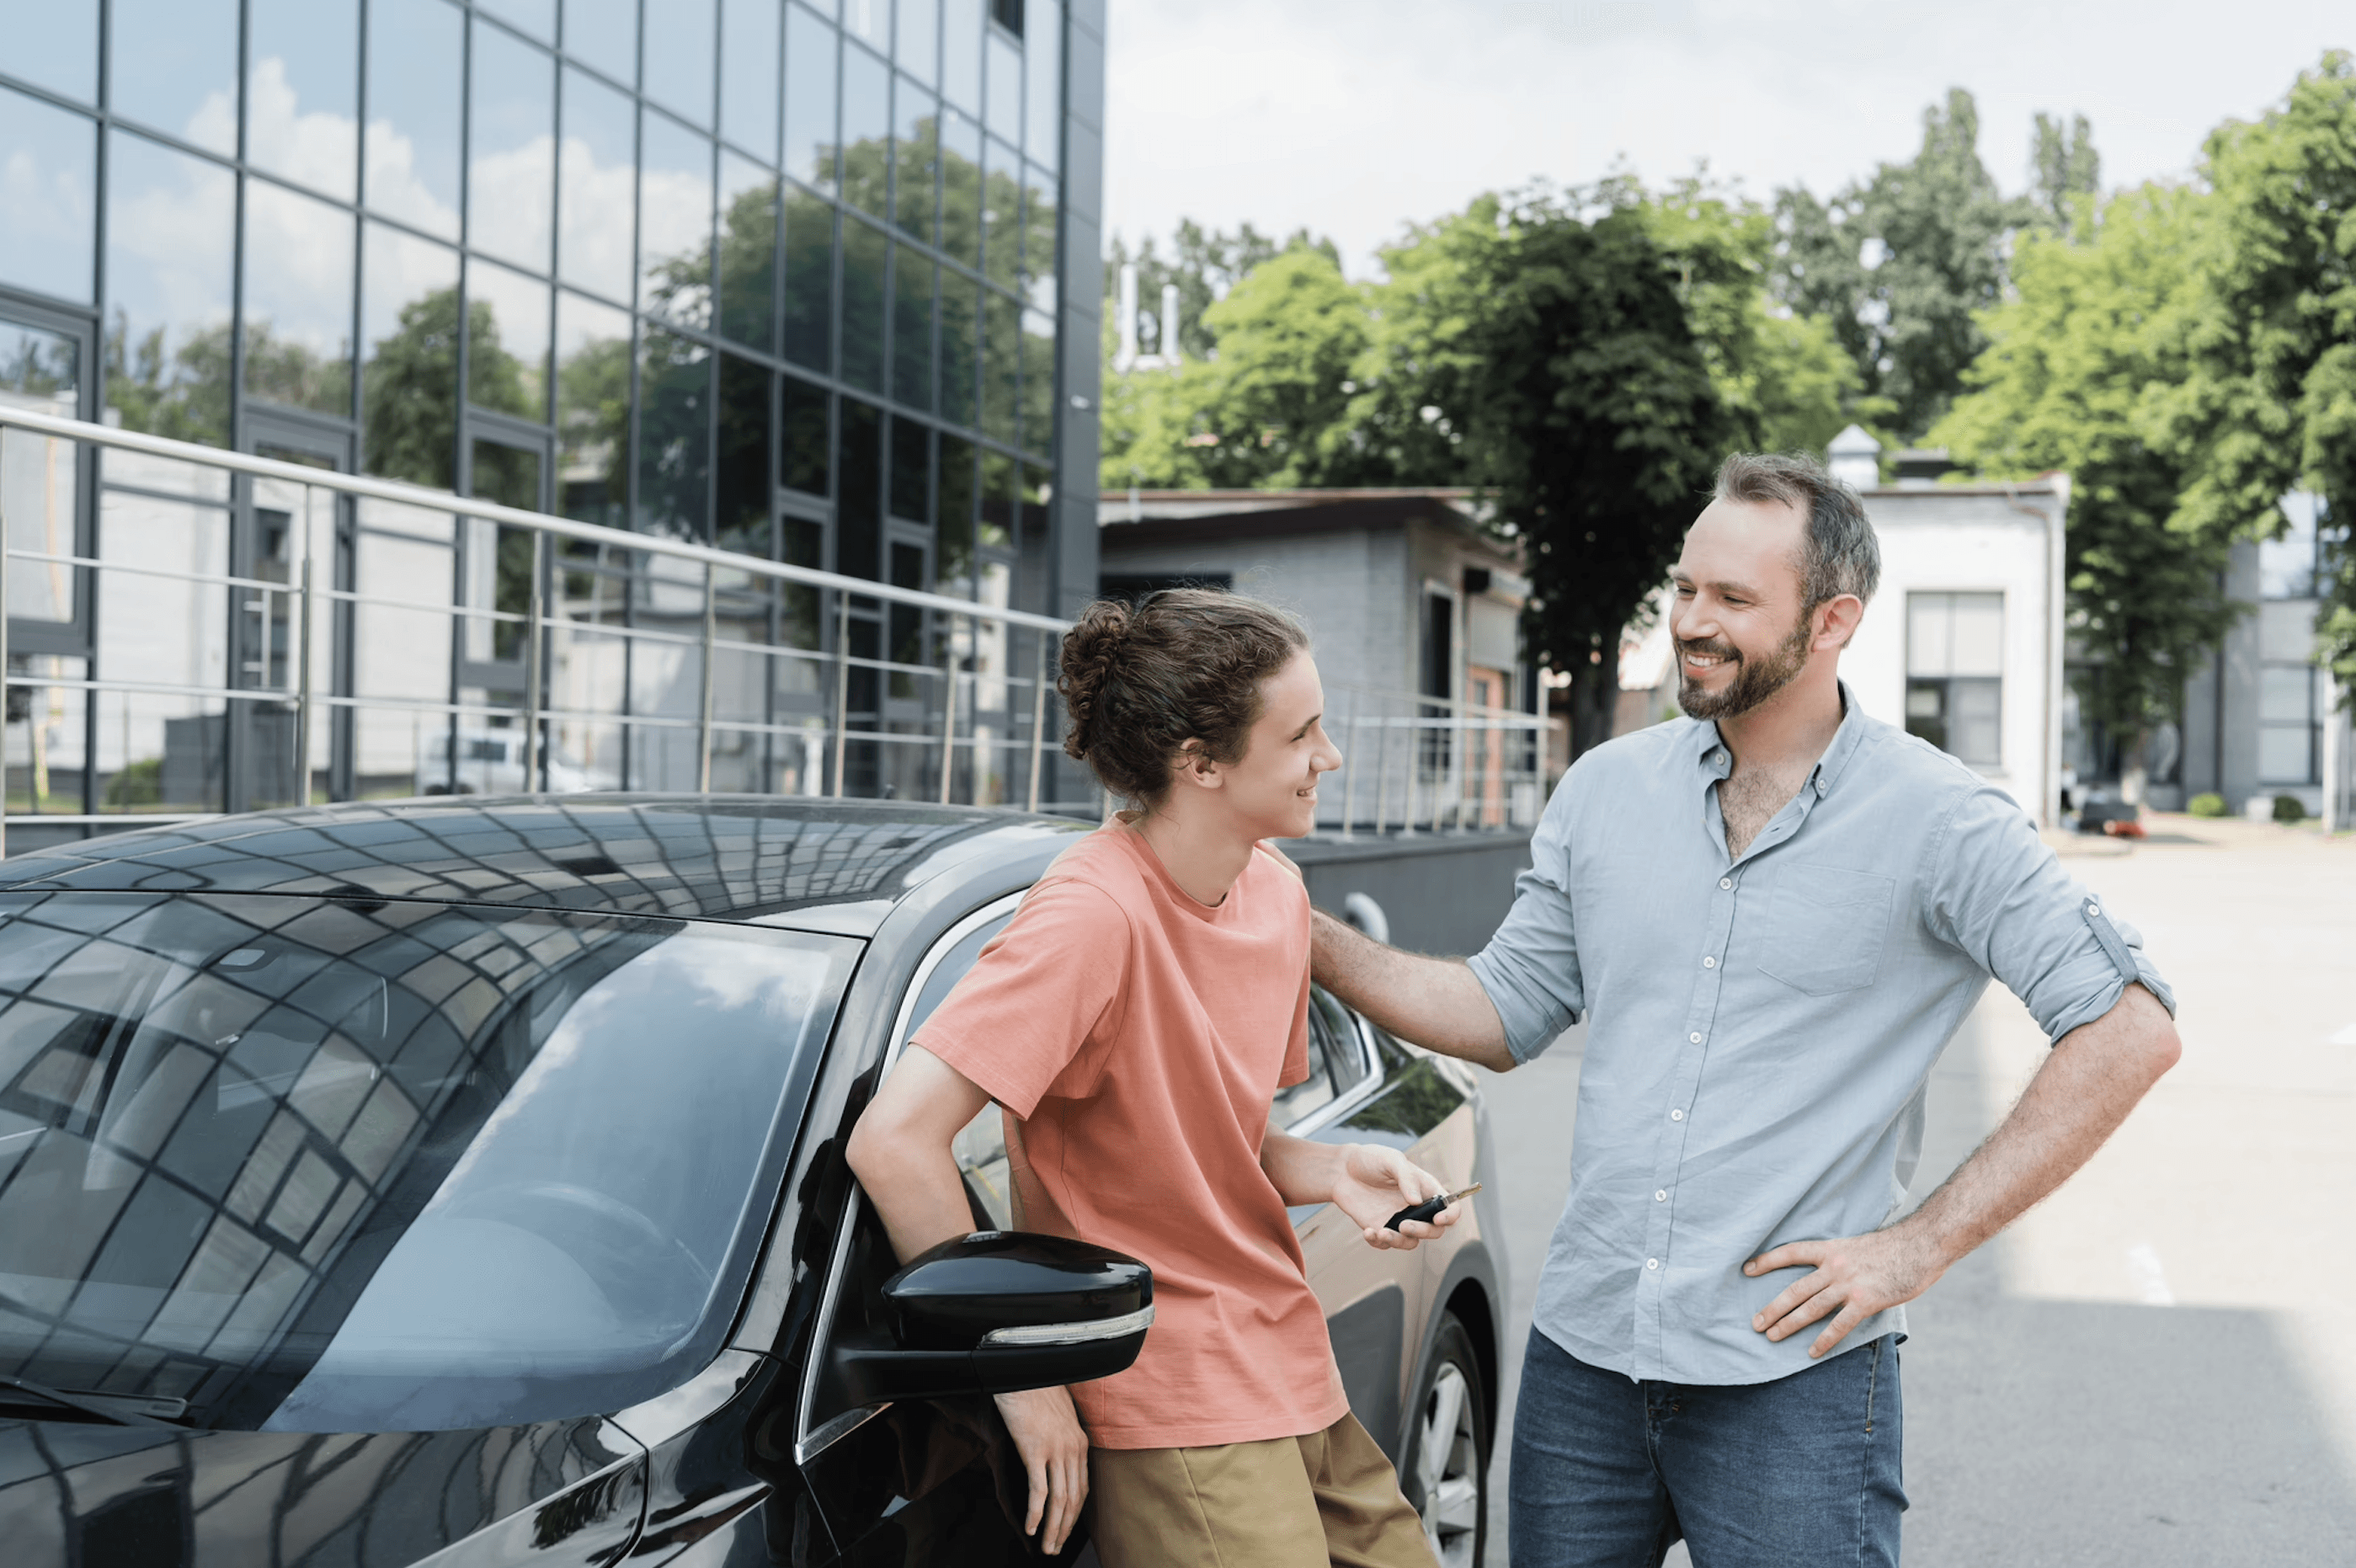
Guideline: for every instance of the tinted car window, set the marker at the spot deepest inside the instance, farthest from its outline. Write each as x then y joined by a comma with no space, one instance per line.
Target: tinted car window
327,1166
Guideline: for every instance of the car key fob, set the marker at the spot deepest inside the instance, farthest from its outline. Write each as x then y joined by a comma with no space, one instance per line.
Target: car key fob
1428,1210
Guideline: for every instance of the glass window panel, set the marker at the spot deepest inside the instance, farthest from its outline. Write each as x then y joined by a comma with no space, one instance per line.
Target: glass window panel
593,409
1978,645
749,67
1038,380
911,471
1001,216
680,58
1004,114
748,251
597,169
1042,47
961,310
918,51
864,251
996,531
511,151
810,281
868,21
537,17
39,478
961,32
962,225
866,132
301,93
2286,754
913,276
954,506
1001,355
916,138
409,334
742,496
48,183
605,34
54,45
675,222
859,520
507,341
176,68
412,148
1974,732
1929,621
1039,236
298,299
809,99
829,9
2284,693
170,223
674,435
804,446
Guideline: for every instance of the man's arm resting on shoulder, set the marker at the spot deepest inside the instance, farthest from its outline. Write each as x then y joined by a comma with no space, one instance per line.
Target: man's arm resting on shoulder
1437,1003
900,1151
2094,1075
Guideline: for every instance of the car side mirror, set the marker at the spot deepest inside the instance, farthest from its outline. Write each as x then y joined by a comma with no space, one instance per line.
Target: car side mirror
999,1311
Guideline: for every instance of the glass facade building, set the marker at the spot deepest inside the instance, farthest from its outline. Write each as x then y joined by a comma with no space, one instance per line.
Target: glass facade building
810,280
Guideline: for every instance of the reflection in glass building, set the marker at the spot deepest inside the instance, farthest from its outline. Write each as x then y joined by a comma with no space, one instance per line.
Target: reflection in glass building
808,280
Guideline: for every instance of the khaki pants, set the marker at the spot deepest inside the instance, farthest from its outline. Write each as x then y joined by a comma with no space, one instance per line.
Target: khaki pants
1285,1502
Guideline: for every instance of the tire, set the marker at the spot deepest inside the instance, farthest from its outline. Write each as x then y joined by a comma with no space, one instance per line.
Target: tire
1446,1472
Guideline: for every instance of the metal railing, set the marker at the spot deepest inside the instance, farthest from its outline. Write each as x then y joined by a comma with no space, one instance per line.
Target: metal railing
382,638
971,709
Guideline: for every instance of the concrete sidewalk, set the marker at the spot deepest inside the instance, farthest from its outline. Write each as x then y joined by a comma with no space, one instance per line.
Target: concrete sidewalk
2157,1366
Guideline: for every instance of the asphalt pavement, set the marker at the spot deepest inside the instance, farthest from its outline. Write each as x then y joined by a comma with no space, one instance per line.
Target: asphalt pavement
2157,1367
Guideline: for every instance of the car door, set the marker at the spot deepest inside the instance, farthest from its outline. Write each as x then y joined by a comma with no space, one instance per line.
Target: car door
1378,1303
936,1482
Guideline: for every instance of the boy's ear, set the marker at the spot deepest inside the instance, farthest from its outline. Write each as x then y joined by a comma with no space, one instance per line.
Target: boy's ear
1195,765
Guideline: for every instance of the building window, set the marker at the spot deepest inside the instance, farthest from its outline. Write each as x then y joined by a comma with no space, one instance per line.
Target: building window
1954,674
2290,712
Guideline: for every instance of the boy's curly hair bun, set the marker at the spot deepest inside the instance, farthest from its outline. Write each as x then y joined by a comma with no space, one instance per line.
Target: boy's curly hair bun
1184,664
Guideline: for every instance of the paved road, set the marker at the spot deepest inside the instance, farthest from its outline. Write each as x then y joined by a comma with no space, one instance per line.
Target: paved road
2157,1366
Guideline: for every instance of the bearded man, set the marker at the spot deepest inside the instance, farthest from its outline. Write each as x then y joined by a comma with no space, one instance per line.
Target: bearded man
1777,910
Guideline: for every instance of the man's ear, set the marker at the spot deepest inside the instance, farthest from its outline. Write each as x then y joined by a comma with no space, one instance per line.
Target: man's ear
1837,621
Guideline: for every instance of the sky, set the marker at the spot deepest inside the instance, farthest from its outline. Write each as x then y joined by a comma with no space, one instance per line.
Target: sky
1355,117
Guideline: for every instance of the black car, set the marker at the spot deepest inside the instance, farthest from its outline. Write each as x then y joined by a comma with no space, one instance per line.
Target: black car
461,1181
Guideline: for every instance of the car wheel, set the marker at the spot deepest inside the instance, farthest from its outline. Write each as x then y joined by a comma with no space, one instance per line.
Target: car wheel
1448,1455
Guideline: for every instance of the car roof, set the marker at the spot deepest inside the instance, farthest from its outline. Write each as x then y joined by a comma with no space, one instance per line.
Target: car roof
822,865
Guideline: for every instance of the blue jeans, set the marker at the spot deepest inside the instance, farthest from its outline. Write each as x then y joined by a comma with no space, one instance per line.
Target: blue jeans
1797,1473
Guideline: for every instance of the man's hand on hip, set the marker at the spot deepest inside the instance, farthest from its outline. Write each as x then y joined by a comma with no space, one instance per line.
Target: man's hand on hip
1850,1280
1047,1433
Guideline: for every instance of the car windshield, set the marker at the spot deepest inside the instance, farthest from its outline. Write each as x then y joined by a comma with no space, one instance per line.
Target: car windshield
352,1164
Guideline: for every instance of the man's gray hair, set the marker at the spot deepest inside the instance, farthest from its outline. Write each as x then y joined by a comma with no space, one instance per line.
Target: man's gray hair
1841,555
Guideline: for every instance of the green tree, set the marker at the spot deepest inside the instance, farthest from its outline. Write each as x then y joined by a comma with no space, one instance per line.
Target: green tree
2065,170
1205,263
2077,376
2270,404
1900,265
408,392
1594,419
182,393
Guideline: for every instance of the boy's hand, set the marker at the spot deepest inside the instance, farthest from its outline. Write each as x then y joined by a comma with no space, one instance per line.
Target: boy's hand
1047,1433
1377,1183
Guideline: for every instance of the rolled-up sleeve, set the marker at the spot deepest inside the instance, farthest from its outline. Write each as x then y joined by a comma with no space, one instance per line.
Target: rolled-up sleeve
1530,968
1997,891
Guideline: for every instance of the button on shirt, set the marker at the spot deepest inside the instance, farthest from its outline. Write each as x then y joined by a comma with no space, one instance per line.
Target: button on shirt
1772,1092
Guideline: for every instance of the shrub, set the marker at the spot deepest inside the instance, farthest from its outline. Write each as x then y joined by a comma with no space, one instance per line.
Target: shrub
2288,809
2206,805
137,784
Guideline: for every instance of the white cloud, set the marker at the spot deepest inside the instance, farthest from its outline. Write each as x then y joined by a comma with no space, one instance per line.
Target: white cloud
1356,120
318,148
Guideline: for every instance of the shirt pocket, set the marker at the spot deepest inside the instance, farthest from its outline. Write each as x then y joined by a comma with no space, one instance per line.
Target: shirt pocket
1826,928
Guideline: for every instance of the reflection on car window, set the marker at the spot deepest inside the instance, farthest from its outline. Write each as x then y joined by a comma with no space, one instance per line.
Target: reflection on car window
365,1165
1333,1057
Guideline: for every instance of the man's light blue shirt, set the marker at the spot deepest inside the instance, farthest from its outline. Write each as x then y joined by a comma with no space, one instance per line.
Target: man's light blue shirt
1762,1030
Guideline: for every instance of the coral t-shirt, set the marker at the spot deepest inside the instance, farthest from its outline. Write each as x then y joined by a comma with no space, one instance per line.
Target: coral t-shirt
1140,1036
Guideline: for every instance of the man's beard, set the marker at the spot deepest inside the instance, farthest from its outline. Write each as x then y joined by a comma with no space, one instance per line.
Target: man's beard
1754,681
